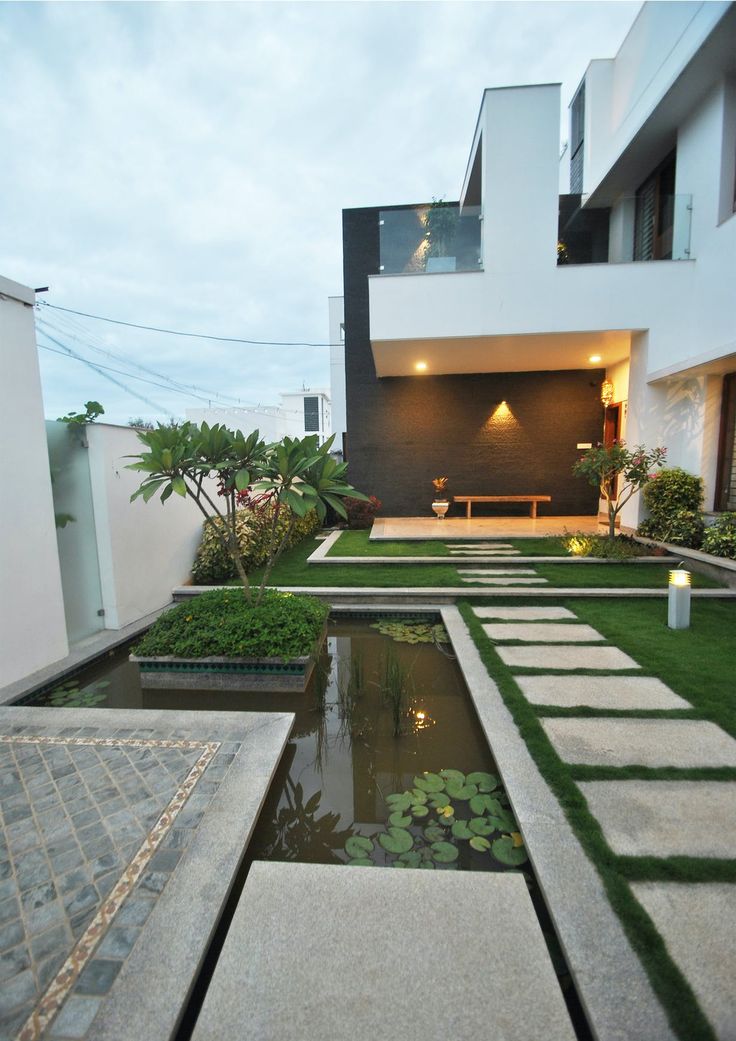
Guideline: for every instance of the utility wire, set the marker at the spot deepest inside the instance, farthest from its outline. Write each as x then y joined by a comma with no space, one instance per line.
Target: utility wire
196,336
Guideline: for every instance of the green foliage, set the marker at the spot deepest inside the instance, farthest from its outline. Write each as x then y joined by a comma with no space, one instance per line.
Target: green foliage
674,499
720,537
439,835
618,472
581,544
361,511
395,688
412,631
221,623
68,695
214,564
92,410
293,477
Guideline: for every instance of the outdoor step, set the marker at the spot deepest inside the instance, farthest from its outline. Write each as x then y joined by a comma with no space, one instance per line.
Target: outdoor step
542,632
523,614
698,923
333,953
665,818
619,692
605,741
563,656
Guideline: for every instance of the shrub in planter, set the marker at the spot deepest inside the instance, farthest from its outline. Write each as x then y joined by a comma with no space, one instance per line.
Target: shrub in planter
674,499
582,544
361,511
213,564
720,538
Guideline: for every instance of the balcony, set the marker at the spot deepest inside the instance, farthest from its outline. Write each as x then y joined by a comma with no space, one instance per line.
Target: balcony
638,228
430,239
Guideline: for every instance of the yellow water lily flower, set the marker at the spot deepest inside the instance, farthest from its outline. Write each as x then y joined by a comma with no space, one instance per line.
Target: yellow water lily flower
445,811
517,839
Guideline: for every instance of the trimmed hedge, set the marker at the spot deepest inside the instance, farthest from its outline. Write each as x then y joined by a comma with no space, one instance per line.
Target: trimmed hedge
674,499
212,564
720,537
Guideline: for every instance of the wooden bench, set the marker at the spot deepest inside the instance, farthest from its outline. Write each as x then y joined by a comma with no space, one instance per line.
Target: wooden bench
531,499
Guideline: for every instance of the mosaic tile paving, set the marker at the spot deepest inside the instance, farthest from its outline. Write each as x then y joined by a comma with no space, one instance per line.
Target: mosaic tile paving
92,828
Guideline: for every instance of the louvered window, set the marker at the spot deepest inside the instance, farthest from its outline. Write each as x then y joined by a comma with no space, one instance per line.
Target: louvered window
655,214
577,137
311,414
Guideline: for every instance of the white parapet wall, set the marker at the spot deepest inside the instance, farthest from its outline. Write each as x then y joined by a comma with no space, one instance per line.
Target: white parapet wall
144,549
32,626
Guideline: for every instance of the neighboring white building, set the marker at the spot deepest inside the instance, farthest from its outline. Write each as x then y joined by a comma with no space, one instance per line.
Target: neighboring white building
300,413
642,284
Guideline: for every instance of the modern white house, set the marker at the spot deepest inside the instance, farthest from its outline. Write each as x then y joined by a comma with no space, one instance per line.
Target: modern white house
479,335
300,413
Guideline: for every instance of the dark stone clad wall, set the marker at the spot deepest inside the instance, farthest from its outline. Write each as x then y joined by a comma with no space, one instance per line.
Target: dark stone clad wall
403,431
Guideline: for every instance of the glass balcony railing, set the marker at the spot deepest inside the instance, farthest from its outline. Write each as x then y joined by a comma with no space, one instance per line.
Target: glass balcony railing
638,228
430,239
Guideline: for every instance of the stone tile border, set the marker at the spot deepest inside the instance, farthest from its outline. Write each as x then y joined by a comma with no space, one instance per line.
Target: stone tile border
609,977
61,985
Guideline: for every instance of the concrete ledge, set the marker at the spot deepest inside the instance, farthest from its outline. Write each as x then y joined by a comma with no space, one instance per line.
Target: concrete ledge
722,569
328,953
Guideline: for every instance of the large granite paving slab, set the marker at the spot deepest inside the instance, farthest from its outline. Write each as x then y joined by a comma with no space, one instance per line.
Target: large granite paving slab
542,632
485,553
120,833
320,952
698,924
616,692
523,614
564,656
478,545
605,741
490,571
665,818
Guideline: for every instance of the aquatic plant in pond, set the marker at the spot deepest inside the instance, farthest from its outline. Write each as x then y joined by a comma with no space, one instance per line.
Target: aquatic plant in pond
439,820
412,631
68,695
395,688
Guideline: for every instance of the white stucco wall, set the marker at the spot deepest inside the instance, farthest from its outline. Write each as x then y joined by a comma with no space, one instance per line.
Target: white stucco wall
267,420
144,549
32,626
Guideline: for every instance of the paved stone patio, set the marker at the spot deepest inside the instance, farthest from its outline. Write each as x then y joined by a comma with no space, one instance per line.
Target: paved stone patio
104,814
424,956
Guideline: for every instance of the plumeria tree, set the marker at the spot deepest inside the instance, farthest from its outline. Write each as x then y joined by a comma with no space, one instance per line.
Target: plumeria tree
224,471
618,472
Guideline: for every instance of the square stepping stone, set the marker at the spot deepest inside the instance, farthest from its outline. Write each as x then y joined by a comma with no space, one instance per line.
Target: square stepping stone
313,951
665,818
542,632
485,553
641,742
698,923
622,692
490,571
478,581
566,656
478,545
523,614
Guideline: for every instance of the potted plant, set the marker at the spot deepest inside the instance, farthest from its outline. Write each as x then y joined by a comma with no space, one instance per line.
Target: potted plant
242,638
440,503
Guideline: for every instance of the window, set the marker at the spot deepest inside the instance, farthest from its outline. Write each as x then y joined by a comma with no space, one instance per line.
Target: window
655,214
311,414
726,472
577,136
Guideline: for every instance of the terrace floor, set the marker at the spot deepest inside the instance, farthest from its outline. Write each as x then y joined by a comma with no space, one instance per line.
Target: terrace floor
480,527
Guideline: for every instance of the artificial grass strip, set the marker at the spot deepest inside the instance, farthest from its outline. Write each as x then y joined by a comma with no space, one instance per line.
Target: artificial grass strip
678,869
583,772
587,712
358,544
673,990
617,575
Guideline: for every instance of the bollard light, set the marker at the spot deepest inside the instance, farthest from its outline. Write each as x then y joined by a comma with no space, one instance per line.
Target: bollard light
678,600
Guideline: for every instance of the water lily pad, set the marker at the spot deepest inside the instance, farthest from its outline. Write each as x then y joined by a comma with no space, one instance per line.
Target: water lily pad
463,792
396,840
481,804
412,858
481,826
438,800
503,850
399,863
434,833
418,796
460,830
446,811
453,775
486,782
430,783
399,802
398,820
419,811
358,846
444,852
479,843
360,862
502,823
426,865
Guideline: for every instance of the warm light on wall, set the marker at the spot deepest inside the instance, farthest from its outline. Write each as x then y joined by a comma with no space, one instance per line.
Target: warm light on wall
595,358
502,411
606,393
420,366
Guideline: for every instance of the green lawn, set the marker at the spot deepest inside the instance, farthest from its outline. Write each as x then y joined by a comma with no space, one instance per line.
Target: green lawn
293,570
357,544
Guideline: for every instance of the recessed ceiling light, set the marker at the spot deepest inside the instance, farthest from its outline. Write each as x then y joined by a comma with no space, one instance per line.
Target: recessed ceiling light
420,366
595,358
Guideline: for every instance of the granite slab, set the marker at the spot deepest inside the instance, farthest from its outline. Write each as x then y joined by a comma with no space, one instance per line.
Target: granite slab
524,614
605,741
614,692
665,818
564,656
490,571
698,925
319,952
542,632
478,580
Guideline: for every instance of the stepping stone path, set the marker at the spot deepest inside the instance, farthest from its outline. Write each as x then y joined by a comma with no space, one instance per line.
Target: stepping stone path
639,818
496,571
496,576
477,580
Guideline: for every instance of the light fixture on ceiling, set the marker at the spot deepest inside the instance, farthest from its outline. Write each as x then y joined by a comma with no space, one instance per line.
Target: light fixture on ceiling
421,366
594,358
606,393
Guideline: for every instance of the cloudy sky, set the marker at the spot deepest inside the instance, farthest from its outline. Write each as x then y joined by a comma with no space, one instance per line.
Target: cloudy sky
185,165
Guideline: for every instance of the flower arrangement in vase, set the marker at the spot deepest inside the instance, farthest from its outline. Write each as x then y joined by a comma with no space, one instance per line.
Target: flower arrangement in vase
440,503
